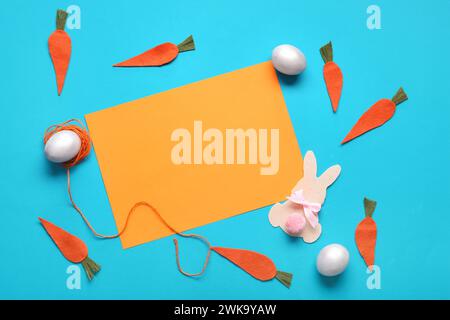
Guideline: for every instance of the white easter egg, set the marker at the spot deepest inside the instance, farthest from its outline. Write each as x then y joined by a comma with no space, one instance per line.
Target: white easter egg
62,146
288,59
332,260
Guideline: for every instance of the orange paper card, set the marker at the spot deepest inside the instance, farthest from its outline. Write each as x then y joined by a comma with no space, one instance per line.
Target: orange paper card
199,153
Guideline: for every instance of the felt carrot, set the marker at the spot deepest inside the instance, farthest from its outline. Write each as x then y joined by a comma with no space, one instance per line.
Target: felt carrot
159,55
72,248
366,234
332,75
257,265
376,116
60,49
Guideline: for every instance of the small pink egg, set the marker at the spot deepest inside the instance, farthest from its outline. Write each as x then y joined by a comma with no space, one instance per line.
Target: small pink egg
295,223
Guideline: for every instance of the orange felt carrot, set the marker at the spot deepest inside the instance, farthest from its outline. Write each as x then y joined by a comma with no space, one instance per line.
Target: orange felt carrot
257,265
72,248
159,55
366,234
60,48
332,75
376,116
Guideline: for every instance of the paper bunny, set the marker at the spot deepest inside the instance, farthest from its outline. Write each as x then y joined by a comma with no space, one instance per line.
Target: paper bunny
298,216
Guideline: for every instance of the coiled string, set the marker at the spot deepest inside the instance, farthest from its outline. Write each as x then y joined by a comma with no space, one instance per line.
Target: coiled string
77,126
81,131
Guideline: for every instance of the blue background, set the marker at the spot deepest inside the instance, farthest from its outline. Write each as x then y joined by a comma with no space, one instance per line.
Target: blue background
404,165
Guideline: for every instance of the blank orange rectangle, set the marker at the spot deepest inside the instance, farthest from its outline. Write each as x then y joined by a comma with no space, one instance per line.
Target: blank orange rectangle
133,145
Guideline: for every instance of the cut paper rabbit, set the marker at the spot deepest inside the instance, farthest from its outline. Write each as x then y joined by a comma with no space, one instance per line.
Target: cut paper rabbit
299,215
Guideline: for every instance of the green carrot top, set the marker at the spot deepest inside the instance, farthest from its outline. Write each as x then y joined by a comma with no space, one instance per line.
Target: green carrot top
399,97
327,52
187,44
369,206
61,18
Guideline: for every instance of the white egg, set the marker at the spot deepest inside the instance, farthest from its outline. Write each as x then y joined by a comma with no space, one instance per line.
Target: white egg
62,146
332,260
288,59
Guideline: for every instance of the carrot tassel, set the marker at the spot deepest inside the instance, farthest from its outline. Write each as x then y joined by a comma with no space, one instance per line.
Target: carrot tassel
284,277
332,75
159,55
72,248
257,265
376,116
60,49
366,234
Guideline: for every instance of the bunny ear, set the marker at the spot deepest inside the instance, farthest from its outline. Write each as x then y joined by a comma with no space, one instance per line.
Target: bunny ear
330,175
310,165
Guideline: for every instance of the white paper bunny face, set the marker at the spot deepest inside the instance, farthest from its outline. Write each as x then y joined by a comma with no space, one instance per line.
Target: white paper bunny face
299,215
315,188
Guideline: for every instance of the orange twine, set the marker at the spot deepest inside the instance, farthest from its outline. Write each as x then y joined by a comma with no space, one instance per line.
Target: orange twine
85,149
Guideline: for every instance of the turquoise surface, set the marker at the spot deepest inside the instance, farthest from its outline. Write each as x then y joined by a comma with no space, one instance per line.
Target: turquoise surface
404,165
